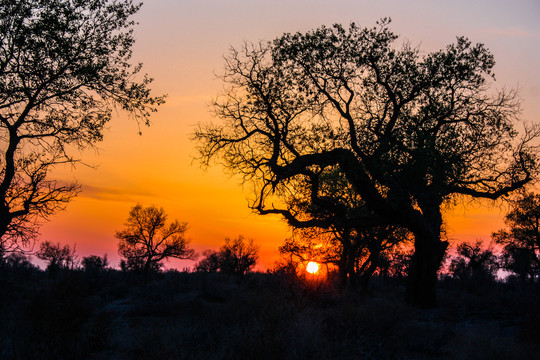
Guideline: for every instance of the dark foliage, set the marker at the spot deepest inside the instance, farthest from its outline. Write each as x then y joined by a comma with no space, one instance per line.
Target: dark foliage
522,240
64,67
57,256
406,131
474,263
236,256
95,263
264,316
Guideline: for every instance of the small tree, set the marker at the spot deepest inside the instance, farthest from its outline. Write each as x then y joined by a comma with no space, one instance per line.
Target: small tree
521,241
235,257
57,256
16,261
473,262
147,239
95,263
210,263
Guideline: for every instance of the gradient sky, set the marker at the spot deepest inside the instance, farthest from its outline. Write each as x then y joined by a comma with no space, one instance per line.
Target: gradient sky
182,44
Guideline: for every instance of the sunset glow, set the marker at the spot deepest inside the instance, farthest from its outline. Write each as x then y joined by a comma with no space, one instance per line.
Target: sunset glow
312,267
181,45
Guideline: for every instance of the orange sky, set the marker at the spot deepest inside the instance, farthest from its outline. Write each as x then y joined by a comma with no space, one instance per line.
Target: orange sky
182,43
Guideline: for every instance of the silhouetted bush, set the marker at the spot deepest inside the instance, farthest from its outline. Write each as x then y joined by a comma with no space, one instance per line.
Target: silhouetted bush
58,257
236,256
474,263
94,263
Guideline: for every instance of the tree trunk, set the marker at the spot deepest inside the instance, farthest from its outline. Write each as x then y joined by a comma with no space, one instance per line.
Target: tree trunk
425,263
368,273
346,265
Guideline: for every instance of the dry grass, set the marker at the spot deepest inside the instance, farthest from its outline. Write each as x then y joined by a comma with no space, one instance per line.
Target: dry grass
260,316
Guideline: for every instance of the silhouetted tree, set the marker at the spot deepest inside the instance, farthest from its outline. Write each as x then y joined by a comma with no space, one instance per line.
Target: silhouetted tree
211,262
396,262
236,256
522,240
95,263
57,256
357,254
408,132
474,262
64,66
148,239
325,203
17,261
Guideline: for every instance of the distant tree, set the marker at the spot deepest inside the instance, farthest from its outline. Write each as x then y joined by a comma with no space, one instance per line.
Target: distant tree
474,262
522,238
17,260
148,239
408,131
236,256
211,262
95,263
57,256
64,67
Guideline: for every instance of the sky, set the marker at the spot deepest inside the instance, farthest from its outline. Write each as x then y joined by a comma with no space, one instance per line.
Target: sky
182,44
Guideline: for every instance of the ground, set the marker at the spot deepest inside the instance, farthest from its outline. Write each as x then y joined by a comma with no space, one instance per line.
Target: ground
175,315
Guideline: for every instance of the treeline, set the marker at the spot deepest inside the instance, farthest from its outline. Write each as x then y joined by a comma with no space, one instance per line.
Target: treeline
148,240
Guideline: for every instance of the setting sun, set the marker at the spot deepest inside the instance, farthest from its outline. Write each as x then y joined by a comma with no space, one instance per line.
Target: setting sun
312,267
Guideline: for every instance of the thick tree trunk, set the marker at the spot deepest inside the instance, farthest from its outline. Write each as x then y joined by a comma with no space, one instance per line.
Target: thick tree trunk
5,220
422,277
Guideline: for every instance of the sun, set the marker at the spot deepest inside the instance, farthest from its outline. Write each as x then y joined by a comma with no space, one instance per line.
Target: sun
312,267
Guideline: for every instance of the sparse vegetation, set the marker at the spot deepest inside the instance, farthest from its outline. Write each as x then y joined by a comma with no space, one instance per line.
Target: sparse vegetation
359,145
202,315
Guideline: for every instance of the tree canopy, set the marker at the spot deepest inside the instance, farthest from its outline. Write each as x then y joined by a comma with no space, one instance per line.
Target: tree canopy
408,131
521,240
237,256
64,66
148,239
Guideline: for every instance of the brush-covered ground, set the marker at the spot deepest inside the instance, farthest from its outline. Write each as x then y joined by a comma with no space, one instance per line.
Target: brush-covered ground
176,315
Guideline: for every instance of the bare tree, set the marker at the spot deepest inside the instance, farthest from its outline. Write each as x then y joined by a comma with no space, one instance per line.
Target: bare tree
57,256
148,239
408,132
64,66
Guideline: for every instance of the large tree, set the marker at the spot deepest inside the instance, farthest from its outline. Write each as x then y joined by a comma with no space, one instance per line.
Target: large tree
64,67
409,131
